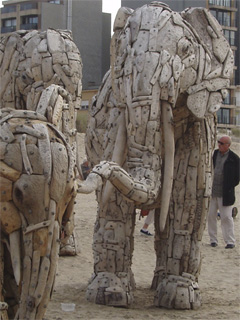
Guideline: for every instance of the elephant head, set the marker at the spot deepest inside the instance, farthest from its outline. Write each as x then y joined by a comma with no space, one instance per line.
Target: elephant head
165,67
41,85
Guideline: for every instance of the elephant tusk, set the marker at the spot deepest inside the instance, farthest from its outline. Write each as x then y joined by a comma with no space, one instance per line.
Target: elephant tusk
169,144
15,252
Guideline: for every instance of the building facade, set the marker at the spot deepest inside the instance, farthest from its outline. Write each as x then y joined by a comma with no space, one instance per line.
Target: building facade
227,14
91,29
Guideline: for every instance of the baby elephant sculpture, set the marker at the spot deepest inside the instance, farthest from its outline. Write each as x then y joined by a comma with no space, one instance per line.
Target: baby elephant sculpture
150,140
40,90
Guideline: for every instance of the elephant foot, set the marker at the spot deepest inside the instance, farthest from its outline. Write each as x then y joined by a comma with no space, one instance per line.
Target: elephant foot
110,289
68,247
178,292
3,311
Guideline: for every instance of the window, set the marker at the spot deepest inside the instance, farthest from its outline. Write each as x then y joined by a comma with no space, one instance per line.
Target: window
214,13
8,25
227,100
223,116
55,1
227,19
223,17
230,36
10,22
29,19
220,17
222,3
29,22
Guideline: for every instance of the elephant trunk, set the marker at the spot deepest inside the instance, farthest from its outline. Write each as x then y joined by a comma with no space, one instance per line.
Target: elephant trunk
169,143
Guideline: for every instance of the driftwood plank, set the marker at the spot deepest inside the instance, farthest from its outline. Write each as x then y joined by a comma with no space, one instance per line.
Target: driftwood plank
10,218
59,171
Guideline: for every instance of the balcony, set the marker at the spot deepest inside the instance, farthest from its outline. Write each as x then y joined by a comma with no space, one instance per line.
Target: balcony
28,6
8,9
8,29
222,4
28,26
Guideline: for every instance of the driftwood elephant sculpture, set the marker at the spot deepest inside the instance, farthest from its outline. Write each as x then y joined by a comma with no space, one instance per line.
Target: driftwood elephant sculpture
40,92
149,141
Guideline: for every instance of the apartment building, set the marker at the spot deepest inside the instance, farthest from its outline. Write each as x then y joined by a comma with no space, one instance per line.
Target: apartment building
90,27
227,14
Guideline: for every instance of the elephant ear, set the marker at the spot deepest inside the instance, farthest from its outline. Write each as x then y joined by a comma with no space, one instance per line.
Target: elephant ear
215,65
210,33
121,18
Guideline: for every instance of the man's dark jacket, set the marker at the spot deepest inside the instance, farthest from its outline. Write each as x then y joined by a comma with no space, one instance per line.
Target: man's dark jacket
231,176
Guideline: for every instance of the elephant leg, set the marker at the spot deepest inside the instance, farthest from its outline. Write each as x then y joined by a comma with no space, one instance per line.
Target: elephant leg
112,282
178,247
68,245
9,295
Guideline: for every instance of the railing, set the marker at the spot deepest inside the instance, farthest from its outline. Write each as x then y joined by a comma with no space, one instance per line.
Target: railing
221,3
28,6
8,9
8,29
29,26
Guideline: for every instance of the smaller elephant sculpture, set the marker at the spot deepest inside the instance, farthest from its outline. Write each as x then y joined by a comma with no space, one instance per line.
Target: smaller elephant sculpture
40,94
150,140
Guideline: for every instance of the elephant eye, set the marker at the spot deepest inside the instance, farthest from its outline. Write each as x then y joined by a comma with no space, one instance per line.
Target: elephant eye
186,48
19,194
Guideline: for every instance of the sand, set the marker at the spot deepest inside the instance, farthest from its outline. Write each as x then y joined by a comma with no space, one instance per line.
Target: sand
219,279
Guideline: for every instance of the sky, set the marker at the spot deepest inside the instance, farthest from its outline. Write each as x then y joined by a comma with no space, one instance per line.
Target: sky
111,6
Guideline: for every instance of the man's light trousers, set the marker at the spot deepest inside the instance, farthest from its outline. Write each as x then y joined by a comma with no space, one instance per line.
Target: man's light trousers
227,223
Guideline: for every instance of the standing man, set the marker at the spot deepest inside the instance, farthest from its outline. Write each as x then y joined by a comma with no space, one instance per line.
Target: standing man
226,177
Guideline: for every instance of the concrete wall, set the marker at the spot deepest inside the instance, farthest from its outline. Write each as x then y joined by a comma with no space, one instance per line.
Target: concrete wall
87,33
53,16
91,30
106,40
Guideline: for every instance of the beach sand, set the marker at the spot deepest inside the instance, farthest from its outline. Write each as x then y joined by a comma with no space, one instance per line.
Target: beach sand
219,278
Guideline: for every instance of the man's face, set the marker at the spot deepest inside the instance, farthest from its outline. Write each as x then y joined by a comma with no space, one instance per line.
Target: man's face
223,144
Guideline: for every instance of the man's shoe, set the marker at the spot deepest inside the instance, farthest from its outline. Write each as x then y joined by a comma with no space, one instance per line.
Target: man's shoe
230,246
146,233
214,244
